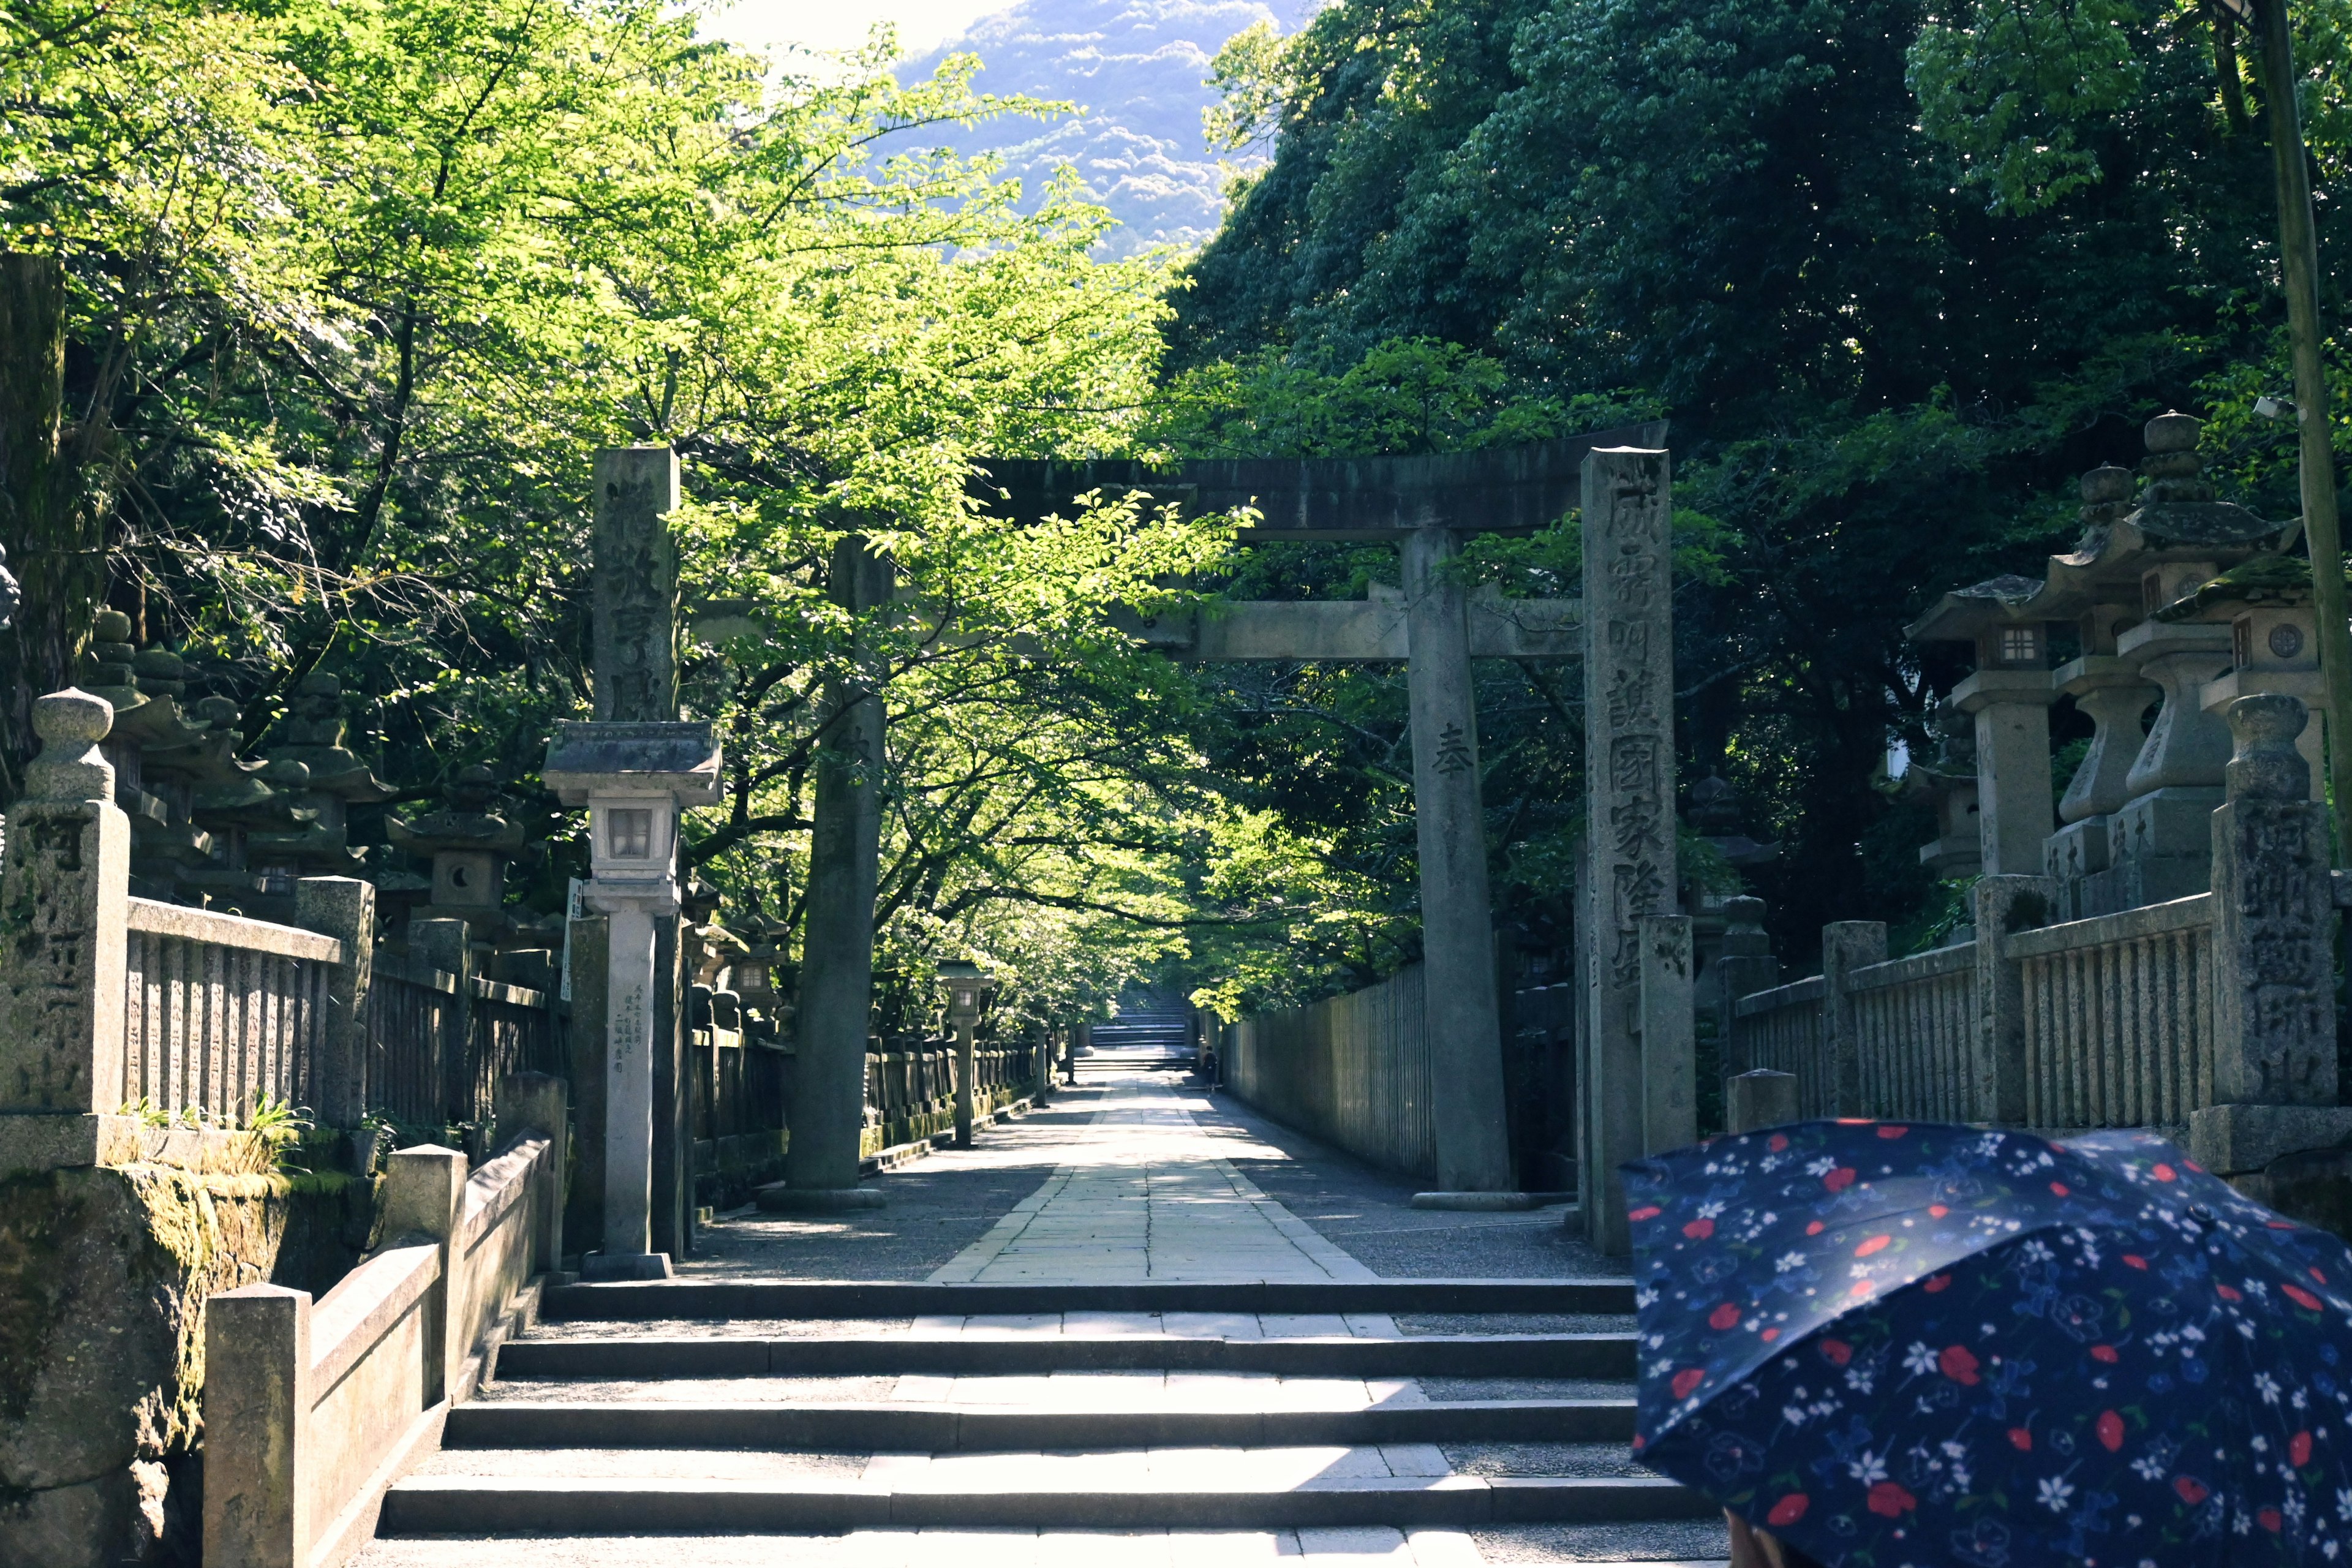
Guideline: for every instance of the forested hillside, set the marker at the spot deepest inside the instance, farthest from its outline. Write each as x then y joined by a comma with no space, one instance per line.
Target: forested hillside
1136,73
1896,274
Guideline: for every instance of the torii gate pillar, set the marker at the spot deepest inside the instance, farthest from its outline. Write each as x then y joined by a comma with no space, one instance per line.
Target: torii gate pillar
1458,927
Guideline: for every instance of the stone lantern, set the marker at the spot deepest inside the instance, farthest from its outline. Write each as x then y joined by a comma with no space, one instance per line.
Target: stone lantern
967,988
470,844
634,778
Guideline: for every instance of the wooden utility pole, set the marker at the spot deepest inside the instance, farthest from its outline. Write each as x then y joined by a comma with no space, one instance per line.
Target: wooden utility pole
2299,270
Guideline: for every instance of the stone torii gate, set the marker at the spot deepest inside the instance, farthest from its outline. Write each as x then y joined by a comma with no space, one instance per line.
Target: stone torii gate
1636,1099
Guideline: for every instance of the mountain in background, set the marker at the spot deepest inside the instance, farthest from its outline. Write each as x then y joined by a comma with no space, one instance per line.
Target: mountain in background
1135,67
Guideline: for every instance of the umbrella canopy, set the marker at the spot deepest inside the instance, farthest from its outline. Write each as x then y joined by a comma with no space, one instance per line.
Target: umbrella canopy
1904,1343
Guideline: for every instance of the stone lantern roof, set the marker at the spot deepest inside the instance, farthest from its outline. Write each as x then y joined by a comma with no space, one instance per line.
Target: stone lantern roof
2177,523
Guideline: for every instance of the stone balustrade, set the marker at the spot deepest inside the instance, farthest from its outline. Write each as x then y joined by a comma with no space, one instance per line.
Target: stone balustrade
2211,1015
312,1409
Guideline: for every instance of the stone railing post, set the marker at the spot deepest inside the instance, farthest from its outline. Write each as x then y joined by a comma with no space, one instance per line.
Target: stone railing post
1669,1044
64,890
1846,946
2273,919
344,909
257,1407
424,1196
1760,1098
2003,906
537,1102
447,946
1746,966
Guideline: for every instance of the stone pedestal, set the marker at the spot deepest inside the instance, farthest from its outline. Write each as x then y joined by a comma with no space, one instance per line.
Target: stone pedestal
2187,747
2010,709
2113,693
2160,847
1457,911
628,1085
1630,795
1760,1099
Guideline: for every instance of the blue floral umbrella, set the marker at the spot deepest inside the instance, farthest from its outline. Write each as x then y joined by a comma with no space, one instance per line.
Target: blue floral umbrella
1901,1343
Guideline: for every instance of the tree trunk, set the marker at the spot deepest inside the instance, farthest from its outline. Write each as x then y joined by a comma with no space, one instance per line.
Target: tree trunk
55,542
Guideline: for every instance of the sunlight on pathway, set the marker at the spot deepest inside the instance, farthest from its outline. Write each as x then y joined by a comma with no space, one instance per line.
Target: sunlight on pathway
1143,1192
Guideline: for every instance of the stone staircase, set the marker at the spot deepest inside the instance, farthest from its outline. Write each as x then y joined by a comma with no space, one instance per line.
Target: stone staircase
810,1410
1134,1042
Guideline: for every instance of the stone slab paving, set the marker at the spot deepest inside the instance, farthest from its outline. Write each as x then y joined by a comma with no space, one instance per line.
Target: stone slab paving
1342,1548
1145,1194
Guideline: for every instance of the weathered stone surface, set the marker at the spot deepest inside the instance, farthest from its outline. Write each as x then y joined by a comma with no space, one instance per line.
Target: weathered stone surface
828,1098
1630,795
635,585
64,889
2274,921
1457,932
1760,1098
104,1273
2232,1140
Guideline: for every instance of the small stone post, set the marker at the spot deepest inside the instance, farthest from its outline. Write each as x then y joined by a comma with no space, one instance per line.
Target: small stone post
1846,946
63,890
424,1199
2273,919
2003,906
448,946
1457,934
257,1407
1746,966
1760,1098
536,1102
344,909
1669,1045
1629,715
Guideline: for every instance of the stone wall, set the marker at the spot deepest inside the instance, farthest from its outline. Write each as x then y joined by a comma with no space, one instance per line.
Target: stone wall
104,1273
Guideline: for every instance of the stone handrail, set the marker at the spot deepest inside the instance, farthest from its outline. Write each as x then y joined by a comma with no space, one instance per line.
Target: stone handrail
1917,1014
1780,1030
313,1409
2118,1016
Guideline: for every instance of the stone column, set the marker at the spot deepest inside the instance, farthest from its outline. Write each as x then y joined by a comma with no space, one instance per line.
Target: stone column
447,946
537,1102
1746,967
2002,907
828,1108
2011,709
63,892
2273,919
344,909
256,1409
629,1029
425,1198
1846,946
1457,934
591,948
1669,1050
636,584
963,1084
1629,717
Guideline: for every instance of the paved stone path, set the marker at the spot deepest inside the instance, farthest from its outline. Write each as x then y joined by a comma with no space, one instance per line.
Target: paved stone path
1144,1192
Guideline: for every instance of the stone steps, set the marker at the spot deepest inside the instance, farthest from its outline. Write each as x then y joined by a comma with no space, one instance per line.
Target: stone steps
1597,1355
962,1428
758,1298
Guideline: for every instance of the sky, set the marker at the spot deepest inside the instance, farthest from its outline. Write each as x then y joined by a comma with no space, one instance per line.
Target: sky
843,23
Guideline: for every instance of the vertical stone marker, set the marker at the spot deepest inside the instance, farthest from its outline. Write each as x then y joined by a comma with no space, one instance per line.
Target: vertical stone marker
634,596
1629,768
634,767
1457,933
